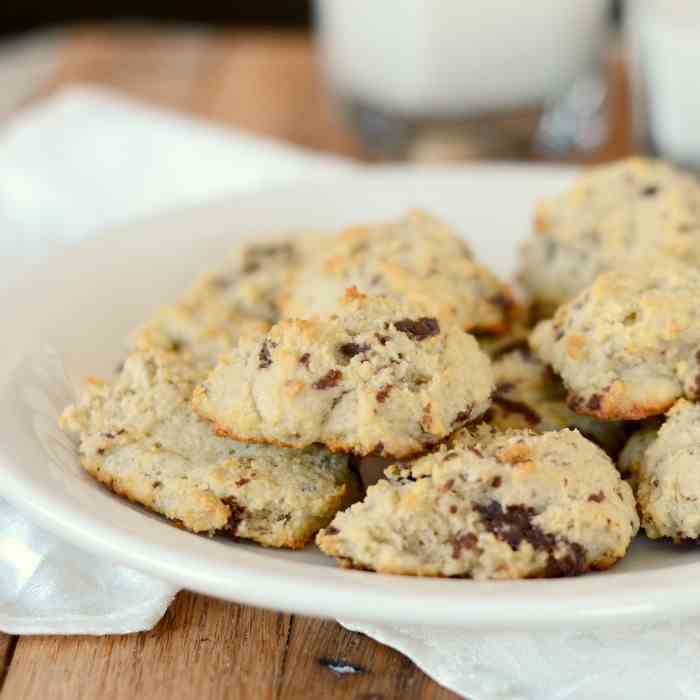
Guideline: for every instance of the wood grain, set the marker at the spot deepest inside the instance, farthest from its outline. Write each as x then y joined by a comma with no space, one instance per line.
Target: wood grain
202,648
317,648
208,648
7,649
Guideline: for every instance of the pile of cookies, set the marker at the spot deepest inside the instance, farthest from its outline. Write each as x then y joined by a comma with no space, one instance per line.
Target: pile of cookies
253,405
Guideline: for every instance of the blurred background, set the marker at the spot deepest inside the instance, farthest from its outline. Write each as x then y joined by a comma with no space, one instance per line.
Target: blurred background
391,80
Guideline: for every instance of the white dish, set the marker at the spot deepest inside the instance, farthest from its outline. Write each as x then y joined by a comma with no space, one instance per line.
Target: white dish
76,311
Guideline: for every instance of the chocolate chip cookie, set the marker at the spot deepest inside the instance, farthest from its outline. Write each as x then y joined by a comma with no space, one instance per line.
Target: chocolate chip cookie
668,476
628,346
418,259
199,334
491,505
613,215
378,377
529,395
252,278
139,436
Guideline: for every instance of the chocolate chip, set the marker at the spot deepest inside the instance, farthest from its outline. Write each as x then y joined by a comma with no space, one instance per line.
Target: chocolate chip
378,450
383,339
236,515
650,191
328,380
571,564
304,360
418,329
176,345
352,349
453,509
594,402
496,482
242,482
463,416
504,387
331,530
264,358
511,406
597,497
157,484
383,393
460,542
514,525
502,300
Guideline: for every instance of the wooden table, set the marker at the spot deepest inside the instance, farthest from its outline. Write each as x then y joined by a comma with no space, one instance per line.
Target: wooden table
267,83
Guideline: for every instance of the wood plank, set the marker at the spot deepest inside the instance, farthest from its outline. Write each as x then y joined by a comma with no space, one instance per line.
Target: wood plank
230,650
203,648
7,649
318,647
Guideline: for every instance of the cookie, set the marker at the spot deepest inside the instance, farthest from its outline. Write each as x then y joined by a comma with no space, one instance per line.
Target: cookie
668,480
629,461
251,279
199,335
529,395
416,258
628,346
140,437
491,505
377,378
612,216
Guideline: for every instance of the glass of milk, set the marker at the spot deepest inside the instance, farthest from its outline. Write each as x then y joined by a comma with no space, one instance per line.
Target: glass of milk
463,76
663,40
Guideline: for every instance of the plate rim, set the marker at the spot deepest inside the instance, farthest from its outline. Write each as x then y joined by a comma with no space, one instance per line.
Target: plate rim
492,605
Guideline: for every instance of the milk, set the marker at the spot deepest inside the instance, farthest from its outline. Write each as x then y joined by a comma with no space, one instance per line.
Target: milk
457,58
664,41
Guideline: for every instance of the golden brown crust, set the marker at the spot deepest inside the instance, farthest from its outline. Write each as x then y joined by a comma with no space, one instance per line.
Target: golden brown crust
336,447
610,410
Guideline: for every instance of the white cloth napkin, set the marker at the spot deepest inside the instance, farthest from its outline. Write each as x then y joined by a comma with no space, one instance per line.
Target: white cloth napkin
70,167
89,159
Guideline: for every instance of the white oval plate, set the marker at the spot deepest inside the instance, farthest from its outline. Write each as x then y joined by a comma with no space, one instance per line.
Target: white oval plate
76,310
